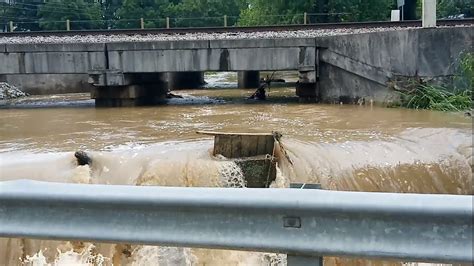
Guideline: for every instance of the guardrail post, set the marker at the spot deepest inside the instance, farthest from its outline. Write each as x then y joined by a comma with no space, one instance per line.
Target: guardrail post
142,23
429,14
68,25
300,260
167,22
11,26
225,20
305,18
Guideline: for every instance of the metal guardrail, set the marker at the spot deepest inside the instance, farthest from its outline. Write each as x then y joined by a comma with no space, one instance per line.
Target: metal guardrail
408,227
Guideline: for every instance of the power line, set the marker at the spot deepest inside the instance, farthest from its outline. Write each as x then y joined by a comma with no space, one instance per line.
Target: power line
38,6
61,5
47,10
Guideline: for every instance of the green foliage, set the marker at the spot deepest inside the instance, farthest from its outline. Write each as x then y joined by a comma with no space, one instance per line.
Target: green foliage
268,12
183,13
86,15
22,13
199,13
152,11
437,98
441,98
465,78
368,10
204,13
276,12
447,8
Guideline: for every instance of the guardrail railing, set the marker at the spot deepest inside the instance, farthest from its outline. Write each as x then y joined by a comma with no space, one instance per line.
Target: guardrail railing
407,227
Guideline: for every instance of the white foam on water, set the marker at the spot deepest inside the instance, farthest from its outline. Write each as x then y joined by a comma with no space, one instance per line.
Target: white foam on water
150,255
86,257
220,80
231,175
417,160
423,160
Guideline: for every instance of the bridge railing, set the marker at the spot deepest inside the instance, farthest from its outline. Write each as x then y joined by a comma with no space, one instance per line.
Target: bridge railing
407,227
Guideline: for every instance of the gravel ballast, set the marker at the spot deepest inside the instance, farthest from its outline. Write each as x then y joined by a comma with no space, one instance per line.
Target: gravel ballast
189,36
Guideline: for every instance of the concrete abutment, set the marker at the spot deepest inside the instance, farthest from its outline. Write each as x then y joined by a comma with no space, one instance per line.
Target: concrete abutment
307,88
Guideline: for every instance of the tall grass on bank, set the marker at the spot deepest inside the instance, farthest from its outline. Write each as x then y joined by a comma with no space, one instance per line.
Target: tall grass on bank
457,97
436,98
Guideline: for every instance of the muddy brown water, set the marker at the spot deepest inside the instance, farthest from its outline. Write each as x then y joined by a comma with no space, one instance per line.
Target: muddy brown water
343,147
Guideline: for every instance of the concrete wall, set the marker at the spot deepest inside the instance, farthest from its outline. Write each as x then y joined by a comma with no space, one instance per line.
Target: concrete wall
51,58
364,65
217,55
350,66
49,83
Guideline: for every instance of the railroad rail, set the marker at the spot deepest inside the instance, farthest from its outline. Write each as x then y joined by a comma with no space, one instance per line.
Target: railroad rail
352,25
407,227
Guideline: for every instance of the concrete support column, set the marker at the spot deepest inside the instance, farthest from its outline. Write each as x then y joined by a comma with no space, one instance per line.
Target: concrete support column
119,90
306,87
248,79
185,80
429,14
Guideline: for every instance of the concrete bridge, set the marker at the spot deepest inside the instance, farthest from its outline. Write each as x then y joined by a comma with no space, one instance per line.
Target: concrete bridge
337,68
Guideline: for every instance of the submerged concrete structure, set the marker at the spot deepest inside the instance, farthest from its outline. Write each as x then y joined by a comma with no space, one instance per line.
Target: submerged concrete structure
340,68
248,79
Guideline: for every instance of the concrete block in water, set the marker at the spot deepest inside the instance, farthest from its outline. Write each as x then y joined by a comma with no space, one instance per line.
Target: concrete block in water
252,152
239,145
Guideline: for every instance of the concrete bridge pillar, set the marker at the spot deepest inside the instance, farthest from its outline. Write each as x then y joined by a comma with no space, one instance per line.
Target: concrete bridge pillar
114,89
306,87
248,79
185,80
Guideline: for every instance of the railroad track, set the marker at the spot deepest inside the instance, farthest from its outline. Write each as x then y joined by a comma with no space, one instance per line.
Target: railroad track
379,24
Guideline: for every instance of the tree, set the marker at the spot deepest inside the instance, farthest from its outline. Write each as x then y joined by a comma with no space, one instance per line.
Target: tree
262,12
268,12
82,14
183,13
362,10
204,13
151,11
22,13
455,8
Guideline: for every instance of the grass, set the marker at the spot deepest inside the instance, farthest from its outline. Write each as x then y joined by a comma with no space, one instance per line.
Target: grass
436,98
457,97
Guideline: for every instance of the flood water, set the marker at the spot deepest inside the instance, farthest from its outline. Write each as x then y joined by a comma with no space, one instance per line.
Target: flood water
342,147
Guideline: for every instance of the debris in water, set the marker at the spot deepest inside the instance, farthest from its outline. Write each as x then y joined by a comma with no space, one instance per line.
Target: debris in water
82,158
8,92
170,95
